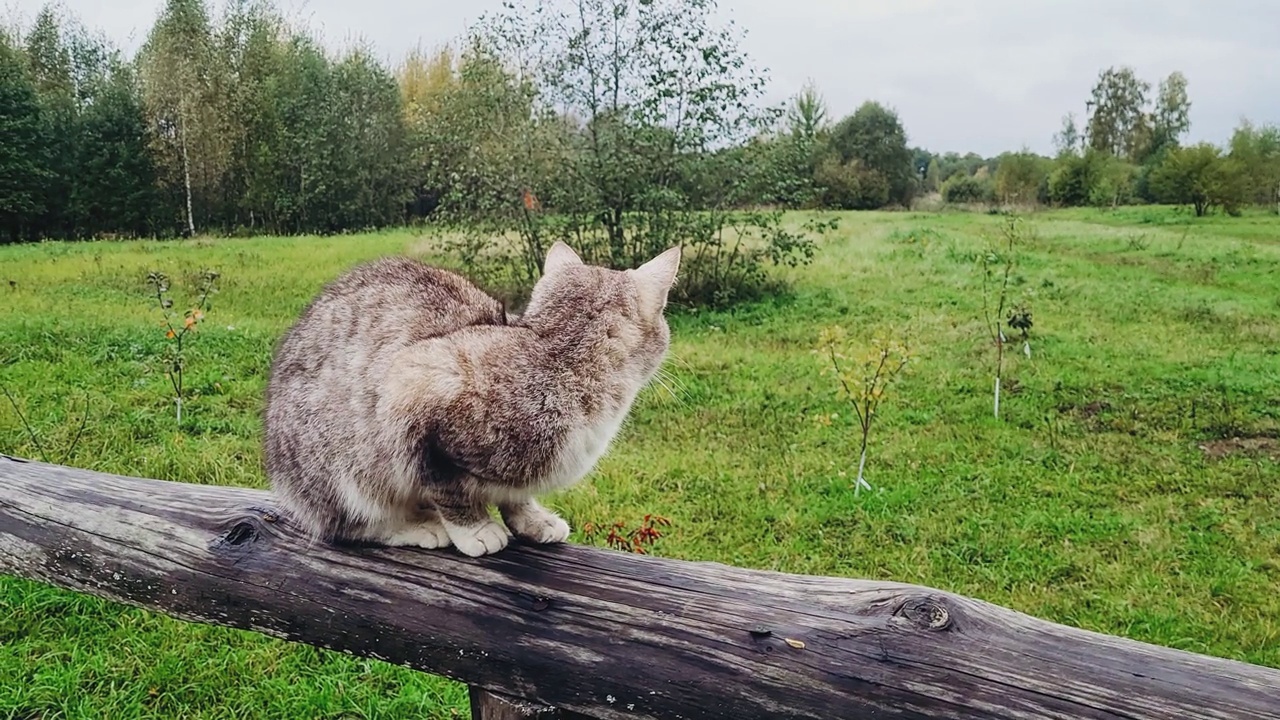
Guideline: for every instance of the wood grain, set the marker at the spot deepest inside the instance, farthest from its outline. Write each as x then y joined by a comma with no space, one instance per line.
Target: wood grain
489,706
604,634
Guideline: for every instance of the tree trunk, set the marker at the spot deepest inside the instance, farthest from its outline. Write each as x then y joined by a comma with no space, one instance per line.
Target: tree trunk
186,172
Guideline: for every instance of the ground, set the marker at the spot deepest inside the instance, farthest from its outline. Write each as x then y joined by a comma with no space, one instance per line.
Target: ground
1129,487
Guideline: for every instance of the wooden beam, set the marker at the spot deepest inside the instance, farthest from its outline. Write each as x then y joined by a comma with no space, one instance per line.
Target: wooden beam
605,634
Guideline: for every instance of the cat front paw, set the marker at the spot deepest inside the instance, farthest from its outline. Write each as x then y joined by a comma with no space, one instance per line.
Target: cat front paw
539,525
430,535
484,539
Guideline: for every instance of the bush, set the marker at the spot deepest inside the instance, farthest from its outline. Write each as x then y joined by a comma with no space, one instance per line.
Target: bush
1020,176
966,189
850,186
1201,177
1093,178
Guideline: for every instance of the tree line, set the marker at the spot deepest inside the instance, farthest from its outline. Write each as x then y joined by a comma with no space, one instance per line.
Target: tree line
617,123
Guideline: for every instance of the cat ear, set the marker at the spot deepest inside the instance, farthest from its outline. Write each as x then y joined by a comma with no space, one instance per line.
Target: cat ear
656,277
560,256
661,271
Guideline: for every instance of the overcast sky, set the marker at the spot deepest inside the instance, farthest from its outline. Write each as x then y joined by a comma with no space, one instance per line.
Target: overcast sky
973,75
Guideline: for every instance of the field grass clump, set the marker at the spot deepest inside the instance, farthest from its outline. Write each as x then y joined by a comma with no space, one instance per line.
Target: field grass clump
1129,485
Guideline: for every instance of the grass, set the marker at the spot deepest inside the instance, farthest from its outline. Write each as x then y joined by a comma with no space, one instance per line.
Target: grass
1129,487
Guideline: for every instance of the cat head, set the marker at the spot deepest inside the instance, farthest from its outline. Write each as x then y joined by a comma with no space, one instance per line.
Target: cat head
617,314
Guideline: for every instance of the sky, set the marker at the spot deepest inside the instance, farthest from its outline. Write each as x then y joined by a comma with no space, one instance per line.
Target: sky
976,75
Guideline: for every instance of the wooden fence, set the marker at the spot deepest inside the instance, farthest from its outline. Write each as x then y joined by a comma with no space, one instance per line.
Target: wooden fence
571,632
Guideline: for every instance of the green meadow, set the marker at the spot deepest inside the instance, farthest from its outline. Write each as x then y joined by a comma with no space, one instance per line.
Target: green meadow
1131,485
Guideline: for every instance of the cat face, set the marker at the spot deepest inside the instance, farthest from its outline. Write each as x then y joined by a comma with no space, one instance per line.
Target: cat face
617,314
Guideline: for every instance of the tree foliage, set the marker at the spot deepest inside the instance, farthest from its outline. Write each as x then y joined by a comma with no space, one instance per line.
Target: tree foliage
1020,177
874,138
617,126
1121,121
1199,176
1256,152
23,176
1117,122
620,126
966,189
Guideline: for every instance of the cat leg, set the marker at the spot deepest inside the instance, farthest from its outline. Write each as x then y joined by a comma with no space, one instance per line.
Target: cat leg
425,530
531,521
466,520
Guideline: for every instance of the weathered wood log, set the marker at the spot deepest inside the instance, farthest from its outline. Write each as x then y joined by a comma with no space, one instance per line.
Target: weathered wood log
605,634
488,706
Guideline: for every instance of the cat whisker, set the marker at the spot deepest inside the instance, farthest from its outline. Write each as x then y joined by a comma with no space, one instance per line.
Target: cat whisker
664,381
672,357
671,378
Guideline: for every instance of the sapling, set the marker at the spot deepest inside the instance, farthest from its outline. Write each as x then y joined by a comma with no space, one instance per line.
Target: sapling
863,378
998,264
174,360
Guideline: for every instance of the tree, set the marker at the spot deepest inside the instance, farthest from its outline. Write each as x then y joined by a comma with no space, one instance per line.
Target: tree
426,83
299,166
1068,140
632,104
1019,176
250,49
366,139
1118,123
115,190
1093,177
22,170
932,183
50,63
785,163
874,137
1172,116
1199,176
1256,151
184,97
807,115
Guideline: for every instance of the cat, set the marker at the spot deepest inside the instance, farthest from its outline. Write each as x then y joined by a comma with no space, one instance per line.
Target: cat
405,401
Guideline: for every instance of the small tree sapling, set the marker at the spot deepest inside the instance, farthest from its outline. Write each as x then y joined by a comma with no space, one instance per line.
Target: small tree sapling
863,376
998,263
174,359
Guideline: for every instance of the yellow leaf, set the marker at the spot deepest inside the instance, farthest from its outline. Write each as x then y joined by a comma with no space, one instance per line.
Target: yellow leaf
191,321
169,334
795,643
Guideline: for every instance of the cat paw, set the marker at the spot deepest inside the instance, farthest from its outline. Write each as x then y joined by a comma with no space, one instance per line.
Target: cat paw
484,539
539,525
427,535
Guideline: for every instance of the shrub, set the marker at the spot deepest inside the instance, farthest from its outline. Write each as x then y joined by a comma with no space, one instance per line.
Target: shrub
1201,177
964,189
850,186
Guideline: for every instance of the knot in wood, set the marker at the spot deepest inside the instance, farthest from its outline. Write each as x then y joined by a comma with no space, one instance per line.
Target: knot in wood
240,533
926,613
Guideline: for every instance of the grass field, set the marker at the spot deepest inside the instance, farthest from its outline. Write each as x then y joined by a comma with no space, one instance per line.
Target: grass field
1131,486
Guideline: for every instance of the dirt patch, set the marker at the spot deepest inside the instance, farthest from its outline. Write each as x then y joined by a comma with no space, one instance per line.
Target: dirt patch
1267,447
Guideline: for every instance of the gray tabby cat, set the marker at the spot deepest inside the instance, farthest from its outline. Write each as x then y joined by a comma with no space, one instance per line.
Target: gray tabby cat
405,401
